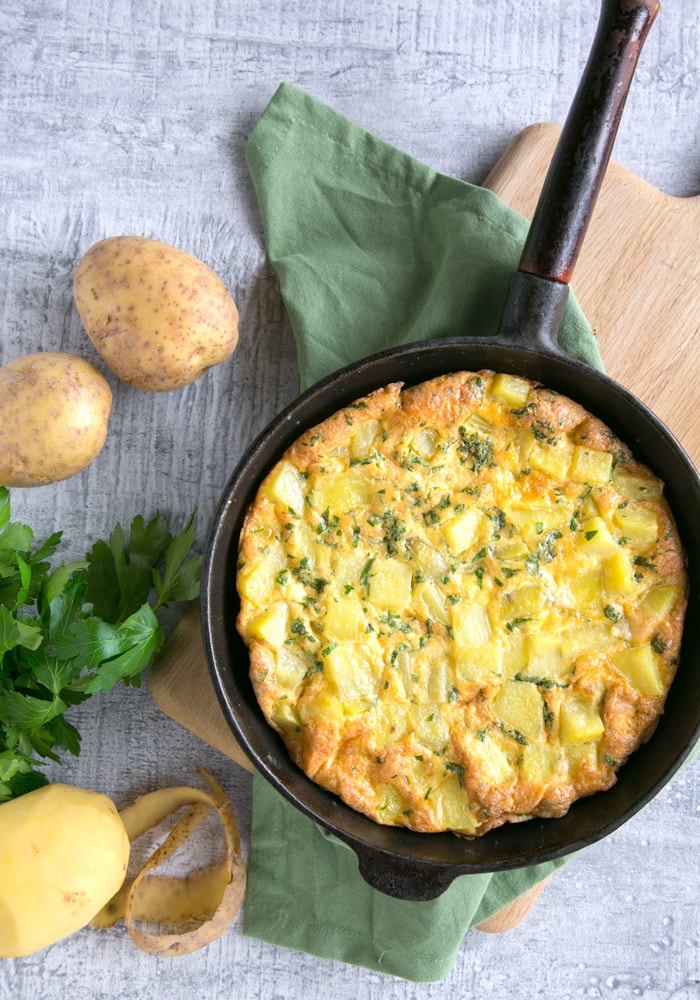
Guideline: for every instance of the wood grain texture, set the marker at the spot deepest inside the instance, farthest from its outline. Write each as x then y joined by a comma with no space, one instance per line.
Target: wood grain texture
637,279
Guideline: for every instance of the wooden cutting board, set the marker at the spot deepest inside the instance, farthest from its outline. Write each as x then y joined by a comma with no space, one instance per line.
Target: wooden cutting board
638,282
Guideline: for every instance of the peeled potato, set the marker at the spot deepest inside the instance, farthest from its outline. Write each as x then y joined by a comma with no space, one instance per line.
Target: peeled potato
159,317
54,410
64,853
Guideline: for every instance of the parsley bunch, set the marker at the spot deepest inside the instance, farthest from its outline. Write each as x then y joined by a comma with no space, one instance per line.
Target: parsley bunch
68,632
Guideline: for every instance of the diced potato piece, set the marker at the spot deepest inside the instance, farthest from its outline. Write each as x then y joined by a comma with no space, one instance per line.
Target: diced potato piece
302,543
580,753
519,705
544,655
478,663
510,549
290,669
470,625
284,716
390,584
349,676
587,590
527,600
461,530
641,669
344,618
425,773
510,389
364,438
539,762
637,486
404,669
356,706
476,423
492,762
639,525
391,722
391,803
590,465
286,487
618,576
554,460
430,727
431,599
347,569
438,681
255,581
659,600
586,638
428,561
451,807
426,679
539,520
514,654
527,443
594,538
425,442
343,492
271,626
323,704
579,722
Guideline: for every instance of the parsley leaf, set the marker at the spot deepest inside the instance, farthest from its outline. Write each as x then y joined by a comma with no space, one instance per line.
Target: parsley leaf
77,629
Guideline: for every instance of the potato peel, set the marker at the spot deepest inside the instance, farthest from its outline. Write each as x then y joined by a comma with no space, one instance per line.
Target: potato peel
212,895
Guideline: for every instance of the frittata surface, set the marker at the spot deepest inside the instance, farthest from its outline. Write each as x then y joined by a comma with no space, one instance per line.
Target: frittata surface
463,602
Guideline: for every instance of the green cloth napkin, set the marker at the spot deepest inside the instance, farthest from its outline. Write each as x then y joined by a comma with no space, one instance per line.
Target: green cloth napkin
373,249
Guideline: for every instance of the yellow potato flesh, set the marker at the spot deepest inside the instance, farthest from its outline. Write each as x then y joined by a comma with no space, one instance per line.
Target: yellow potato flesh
54,410
159,317
64,853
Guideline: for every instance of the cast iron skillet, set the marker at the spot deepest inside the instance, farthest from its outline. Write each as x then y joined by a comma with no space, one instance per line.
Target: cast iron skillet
396,861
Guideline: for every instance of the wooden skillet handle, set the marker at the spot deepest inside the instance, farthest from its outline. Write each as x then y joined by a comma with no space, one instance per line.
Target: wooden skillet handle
581,158
538,290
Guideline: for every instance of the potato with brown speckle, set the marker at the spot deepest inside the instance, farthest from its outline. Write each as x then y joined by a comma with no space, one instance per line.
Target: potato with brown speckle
54,410
159,317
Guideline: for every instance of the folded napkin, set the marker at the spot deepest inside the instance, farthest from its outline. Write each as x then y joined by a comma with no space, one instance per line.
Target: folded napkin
373,249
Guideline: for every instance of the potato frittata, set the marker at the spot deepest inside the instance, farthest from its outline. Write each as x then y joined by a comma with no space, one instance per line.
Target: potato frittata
463,602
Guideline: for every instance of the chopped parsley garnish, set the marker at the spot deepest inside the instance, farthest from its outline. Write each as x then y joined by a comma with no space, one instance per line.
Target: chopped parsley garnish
478,451
611,613
515,622
658,644
543,682
304,575
453,768
366,572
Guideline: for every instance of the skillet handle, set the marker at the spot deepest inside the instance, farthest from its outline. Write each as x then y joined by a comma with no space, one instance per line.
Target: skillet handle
539,288
410,880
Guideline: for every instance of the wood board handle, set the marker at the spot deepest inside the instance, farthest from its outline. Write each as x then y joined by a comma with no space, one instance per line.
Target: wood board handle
179,684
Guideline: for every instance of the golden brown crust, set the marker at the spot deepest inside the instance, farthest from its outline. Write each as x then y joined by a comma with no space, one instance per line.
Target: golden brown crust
463,602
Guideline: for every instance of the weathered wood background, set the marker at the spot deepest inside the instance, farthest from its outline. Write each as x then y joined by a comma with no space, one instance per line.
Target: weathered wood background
120,117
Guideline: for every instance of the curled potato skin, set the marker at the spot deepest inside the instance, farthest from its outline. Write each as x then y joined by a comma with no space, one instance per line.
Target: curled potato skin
159,317
208,898
54,412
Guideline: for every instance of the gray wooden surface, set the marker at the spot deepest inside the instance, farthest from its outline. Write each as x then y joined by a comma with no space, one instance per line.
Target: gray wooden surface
123,117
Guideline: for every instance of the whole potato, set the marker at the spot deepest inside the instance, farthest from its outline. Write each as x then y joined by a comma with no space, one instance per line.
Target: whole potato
54,410
159,317
64,853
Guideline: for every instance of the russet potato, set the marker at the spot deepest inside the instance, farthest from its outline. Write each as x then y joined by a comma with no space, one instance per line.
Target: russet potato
159,317
64,853
54,410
